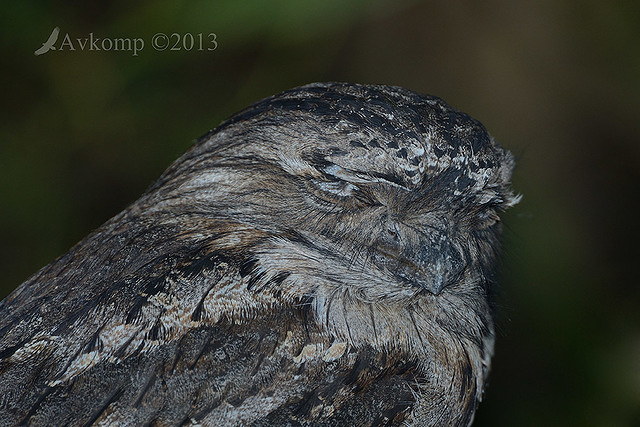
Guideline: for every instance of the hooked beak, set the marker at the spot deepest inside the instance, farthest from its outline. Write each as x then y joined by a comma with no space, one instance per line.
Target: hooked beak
433,266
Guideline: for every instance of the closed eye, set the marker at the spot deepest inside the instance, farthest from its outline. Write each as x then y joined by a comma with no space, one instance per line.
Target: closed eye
337,188
338,193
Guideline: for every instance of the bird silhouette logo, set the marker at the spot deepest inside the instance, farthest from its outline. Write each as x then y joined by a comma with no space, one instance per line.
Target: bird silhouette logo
48,45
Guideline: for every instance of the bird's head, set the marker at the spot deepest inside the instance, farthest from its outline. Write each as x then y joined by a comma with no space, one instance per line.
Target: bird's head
330,188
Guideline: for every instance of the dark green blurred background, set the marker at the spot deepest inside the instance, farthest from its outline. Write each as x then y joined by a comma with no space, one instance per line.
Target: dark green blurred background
82,134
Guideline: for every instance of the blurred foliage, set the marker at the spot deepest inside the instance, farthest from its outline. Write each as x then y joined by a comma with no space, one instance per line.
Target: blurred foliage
83,133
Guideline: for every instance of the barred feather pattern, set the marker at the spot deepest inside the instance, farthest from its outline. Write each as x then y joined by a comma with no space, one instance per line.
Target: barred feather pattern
324,257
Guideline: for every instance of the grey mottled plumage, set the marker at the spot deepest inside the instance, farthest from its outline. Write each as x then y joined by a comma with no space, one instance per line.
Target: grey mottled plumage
324,257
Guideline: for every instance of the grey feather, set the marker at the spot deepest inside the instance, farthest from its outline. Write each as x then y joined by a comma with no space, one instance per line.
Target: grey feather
324,257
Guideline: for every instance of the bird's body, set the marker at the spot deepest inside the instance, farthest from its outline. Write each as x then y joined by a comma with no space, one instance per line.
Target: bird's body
322,258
